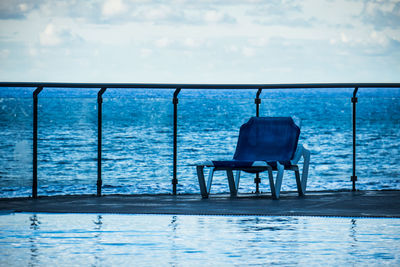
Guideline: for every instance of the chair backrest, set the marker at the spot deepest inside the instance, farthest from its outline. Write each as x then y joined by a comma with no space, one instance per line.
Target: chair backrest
267,138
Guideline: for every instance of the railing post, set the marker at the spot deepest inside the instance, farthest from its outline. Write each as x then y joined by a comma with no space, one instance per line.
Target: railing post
354,101
99,138
257,101
175,102
35,141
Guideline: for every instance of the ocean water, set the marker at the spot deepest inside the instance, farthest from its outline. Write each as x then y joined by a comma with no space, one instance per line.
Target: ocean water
138,134
149,240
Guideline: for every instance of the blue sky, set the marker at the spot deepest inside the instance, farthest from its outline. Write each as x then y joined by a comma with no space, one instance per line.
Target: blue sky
180,41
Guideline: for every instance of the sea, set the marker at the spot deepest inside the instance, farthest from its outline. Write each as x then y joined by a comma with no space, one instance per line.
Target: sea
138,138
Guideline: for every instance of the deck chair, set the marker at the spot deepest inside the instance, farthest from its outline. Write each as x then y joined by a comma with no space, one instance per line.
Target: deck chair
264,144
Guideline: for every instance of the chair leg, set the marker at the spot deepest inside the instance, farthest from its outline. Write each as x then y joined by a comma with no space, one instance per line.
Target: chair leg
202,182
231,181
271,182
276,186
210,178
302,183
298,182
306,165
237,180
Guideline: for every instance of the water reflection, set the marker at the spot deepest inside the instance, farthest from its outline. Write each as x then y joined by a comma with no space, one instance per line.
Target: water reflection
98,224
173,237
353,230
261,233
353,249
255,224
33,240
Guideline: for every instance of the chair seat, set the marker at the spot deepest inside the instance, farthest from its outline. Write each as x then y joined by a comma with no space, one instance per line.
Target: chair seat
233,163
248,164
244,165
286,164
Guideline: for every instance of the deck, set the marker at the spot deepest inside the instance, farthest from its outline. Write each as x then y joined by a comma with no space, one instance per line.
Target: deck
383,203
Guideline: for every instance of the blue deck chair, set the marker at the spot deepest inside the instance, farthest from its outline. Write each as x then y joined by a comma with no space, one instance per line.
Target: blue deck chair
264,144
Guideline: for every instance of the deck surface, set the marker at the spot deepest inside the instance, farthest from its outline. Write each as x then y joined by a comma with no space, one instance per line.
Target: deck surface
385,203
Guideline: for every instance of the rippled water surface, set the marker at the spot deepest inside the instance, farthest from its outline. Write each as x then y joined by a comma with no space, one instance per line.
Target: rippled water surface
138,134
162,240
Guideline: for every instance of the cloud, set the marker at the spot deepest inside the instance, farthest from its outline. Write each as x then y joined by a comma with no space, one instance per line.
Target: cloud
376,44
53,36
289,22
384,14
381,47
275,8
214,16
50,36
192,43
113,8
344,38
157,13
163,42
145,52
32,52
124,11
281,13
248,51
4,53
180,14
16,9
231,48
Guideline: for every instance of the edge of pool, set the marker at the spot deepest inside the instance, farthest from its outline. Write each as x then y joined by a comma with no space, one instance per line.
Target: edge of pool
341,203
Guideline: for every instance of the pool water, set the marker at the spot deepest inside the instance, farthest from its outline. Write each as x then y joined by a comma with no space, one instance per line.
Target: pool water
164,240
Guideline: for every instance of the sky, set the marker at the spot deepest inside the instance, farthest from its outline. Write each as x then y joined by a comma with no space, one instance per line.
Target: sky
203,41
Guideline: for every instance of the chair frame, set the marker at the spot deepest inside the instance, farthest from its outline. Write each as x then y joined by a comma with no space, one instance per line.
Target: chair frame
259,166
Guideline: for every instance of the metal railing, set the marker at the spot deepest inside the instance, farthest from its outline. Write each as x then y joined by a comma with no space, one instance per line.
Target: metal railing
178,87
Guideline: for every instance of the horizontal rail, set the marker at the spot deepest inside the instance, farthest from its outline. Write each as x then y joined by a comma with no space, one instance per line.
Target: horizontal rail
199,86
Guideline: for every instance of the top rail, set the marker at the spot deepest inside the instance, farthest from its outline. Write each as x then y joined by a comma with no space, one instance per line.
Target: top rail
199,86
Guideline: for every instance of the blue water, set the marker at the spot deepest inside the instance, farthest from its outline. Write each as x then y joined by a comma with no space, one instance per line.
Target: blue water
148,240
137,138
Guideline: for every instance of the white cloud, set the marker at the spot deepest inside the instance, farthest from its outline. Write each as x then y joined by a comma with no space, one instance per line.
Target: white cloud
189,42
50,36
145,52
112,8
4,53
32,52
260,42
23,7
248,51
214,16
163,42
192,43
379,38
344,37
16,9
156,13
54,35
231,49
184,13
